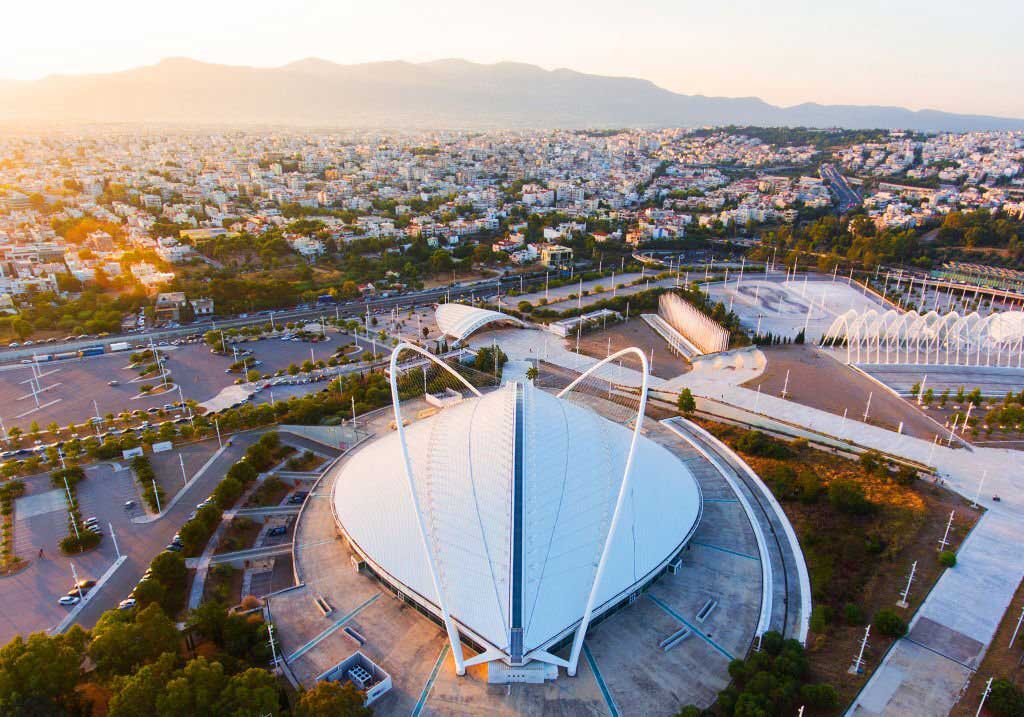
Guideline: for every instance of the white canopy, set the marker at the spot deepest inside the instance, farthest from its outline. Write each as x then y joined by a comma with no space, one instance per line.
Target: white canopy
459,320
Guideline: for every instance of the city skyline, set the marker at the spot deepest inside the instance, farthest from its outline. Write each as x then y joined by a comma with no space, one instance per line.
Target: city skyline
915,55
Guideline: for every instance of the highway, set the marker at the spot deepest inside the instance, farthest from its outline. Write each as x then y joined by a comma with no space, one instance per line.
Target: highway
848,197
349,309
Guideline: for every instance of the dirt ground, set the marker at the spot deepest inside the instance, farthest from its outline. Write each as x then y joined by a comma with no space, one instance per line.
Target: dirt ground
1001,661
634,332
908,520
819,381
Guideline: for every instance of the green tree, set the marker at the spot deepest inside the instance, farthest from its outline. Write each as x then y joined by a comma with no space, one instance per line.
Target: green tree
686,403
329,699
120,642
136,695
253,692
38,675
169,568
195,690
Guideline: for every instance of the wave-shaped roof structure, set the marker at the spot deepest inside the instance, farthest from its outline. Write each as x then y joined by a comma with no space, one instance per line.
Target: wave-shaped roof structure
460,320
513,506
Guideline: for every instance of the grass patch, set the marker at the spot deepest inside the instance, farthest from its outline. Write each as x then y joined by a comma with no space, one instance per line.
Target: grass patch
239,535
223,584
308,461
271,492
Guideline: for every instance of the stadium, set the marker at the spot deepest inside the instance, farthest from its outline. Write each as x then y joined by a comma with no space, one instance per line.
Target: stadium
515,517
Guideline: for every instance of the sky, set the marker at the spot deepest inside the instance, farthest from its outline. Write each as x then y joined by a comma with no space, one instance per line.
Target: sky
938,54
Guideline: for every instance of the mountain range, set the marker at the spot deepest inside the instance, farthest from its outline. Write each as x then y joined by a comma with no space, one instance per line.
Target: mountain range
441,94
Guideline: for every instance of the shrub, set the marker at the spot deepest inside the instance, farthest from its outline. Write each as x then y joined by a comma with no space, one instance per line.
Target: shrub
72,474
1006,699
848,497
853,614
243,472
820,618
906,475
947,558
756,443
820,696
809,486
85,540
889,624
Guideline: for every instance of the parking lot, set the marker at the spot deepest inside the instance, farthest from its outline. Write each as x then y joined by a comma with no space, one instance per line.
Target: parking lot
41,521
69,388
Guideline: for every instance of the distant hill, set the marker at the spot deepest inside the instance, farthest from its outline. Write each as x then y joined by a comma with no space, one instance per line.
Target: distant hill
442,94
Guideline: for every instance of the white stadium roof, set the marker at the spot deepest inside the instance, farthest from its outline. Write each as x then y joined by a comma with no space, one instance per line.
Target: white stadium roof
459,320
517,490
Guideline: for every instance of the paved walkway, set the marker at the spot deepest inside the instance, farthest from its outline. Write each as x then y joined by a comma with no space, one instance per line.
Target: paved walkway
924,672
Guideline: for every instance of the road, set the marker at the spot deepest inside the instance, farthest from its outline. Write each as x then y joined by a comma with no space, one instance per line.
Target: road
350,309
848,197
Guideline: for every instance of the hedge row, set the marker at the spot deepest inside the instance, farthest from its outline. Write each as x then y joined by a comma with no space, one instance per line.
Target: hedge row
145,475
8,492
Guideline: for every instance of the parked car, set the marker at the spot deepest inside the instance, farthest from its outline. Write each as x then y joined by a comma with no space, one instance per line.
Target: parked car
173,547
126,604
278,530
68,600
113,383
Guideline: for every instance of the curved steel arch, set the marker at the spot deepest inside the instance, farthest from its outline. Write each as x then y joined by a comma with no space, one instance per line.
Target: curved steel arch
581,631
449,623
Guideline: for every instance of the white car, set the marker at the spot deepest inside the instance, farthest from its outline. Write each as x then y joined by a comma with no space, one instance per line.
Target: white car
126,604
68,600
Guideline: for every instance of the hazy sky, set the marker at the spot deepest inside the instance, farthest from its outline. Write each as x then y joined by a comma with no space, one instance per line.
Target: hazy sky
943,54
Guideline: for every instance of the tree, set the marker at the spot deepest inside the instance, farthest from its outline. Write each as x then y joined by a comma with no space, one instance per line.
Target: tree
253,692
440,261
169,568
38,675
209,620
686,403
195,690
121,643
22,328
136,695
532,373
329,699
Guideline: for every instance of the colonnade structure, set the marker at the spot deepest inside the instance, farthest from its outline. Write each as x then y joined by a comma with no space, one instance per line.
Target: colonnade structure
894,337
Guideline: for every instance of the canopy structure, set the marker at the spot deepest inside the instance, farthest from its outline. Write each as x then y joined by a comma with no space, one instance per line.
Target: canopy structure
459,320
893,337
515,517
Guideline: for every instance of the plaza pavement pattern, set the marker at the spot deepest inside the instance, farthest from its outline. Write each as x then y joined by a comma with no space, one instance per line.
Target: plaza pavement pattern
924,672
